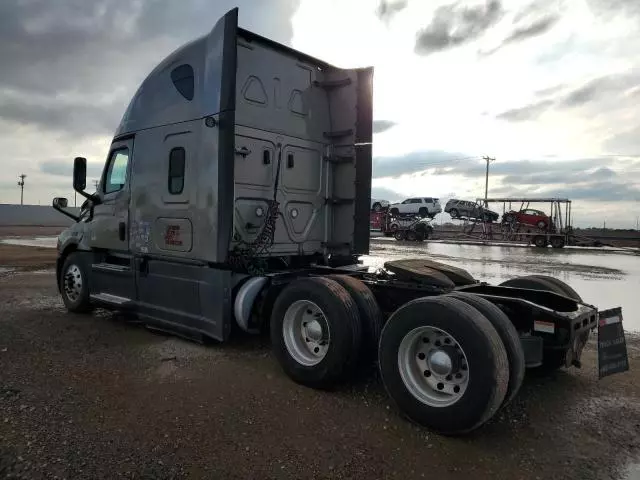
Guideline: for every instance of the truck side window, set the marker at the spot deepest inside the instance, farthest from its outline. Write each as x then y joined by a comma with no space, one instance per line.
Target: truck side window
182,78
176,170
117,171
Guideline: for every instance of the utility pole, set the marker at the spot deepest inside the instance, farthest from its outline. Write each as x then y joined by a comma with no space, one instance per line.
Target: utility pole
486,182
21,185
96,183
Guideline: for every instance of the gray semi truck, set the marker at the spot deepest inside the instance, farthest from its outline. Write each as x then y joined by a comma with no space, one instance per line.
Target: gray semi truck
236,194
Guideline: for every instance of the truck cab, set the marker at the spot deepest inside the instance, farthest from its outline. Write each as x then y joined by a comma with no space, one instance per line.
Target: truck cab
236,154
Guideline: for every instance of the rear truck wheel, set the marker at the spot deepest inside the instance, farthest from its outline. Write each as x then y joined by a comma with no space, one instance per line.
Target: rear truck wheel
399,235
454,213
508,335
423,212
560,287
552,359
371,318
377,207
316,332
443,364
540,241
543,282
541,224
411,236
74,284
557,242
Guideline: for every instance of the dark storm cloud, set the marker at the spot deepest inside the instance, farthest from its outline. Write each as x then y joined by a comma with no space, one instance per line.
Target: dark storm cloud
607,88
585,179
91,50
380,126
64,168
453,25
606,192
412,163
387,9
85,118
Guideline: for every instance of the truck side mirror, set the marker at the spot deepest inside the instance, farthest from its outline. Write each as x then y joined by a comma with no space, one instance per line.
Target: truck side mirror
60,202
80,174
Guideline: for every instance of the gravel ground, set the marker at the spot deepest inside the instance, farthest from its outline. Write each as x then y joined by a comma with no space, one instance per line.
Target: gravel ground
101,397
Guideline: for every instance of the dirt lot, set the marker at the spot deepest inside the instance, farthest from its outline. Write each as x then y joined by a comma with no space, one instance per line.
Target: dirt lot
101,397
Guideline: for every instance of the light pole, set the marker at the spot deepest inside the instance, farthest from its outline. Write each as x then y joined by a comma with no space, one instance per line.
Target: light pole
21,185
486,180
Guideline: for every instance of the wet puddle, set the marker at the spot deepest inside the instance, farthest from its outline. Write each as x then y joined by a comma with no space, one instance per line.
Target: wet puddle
603,278
46,242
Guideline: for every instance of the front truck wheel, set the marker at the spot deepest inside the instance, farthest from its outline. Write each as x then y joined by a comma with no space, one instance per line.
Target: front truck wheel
508,335
443,364
74,284
315,332
552,359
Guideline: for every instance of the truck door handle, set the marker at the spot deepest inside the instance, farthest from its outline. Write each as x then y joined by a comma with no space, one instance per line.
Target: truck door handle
243,152
122,231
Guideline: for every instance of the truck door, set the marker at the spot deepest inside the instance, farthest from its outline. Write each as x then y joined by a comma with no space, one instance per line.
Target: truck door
110,229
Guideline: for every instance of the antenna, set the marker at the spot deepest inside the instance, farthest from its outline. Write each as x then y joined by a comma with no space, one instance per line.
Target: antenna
22,176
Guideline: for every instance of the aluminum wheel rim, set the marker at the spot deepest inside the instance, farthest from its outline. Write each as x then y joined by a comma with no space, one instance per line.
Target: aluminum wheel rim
433,366
306,332
73,282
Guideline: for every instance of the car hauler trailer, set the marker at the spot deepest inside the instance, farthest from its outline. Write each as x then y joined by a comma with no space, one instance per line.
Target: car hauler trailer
237,190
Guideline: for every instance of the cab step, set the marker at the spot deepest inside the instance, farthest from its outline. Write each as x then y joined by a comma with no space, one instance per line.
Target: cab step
112,300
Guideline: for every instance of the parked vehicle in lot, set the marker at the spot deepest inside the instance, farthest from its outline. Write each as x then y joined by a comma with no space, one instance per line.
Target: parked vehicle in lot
423,206
378,204
270,238
472,210
528,216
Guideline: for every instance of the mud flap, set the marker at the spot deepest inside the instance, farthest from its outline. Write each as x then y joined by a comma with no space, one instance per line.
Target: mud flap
612,346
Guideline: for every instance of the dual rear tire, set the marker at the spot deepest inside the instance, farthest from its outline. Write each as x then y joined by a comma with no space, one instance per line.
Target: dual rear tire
323,327
448,362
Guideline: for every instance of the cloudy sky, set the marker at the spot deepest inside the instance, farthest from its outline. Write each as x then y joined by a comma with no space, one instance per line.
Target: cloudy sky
550,88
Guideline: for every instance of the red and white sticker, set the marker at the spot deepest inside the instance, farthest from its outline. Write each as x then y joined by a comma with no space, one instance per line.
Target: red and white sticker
544,327
609,320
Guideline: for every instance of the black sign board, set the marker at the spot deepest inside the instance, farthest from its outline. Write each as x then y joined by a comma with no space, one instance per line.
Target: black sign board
612,346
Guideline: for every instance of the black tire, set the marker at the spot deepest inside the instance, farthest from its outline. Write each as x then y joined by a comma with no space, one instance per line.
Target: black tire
377,207
411,236
423,212
508,335
74,270
484,351
394,211
341,314
454,213
557,242
542,225
561,287
399,235
530,282
371,317
540,241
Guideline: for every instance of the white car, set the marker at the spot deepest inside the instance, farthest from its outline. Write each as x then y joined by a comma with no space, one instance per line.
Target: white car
423,206
377,204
